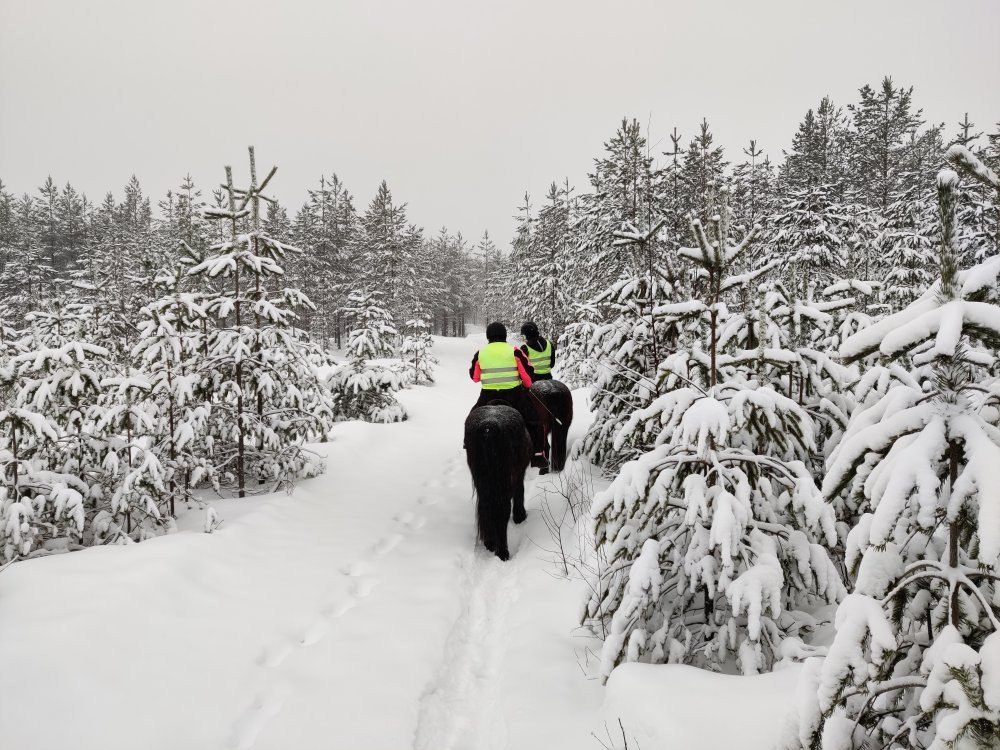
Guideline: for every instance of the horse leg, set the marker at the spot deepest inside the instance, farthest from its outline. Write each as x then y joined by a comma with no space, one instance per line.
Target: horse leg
557,458
502,518
517,478
520,514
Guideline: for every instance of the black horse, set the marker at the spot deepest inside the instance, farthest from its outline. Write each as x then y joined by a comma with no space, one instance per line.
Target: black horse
498,450
554,404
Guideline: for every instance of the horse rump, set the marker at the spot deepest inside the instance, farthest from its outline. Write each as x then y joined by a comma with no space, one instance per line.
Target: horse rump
555,408
498,451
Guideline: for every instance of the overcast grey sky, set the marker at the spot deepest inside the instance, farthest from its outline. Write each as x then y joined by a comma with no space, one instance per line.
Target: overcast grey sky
461,105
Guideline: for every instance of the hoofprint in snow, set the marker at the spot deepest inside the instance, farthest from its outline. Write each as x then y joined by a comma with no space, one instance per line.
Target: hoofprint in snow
353,612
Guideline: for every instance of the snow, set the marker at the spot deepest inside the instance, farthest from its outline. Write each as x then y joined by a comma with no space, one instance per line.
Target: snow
354,609
667,707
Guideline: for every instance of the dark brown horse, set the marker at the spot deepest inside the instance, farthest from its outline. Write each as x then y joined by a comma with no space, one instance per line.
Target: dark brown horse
498,451
554,403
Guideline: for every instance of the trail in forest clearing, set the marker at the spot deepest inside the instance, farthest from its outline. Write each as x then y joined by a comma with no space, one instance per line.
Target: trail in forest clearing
356,612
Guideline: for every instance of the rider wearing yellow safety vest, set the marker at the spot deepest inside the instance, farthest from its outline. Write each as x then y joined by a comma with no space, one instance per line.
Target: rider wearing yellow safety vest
541,353
505,374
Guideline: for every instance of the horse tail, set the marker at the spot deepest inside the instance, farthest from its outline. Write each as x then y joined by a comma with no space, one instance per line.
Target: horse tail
490,461
562,408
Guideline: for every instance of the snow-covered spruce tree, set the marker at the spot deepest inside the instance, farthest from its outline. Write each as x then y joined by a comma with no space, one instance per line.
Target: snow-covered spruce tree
268,400
363,389
915,660
416,350
716,540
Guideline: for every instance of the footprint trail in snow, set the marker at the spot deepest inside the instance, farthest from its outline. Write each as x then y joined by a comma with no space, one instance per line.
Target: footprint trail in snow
270,701
459,708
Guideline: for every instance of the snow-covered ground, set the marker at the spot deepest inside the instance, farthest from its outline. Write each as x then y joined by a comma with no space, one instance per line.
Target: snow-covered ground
354,612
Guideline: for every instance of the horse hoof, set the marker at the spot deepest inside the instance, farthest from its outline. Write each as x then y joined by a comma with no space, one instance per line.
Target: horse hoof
520,517
503,555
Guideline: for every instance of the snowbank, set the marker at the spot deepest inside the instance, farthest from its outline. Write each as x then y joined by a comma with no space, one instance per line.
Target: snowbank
676,707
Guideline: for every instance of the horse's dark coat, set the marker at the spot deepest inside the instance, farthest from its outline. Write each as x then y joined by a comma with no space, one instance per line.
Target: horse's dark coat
498,451
556,403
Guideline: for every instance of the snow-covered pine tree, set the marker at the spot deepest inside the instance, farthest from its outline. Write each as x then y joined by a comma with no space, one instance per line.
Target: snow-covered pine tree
268,398
884,121
703,171
808,238
416,349
624,229
327,231
489,290
436,277
905,249
820,152
786,335
170,355
977,214
130,461
752,189
23,272
363,389
627,349
8,226
385,247
111,279
715,542
51,252
51,431
916,652
32,509
974,168
576,366
540,267
624,189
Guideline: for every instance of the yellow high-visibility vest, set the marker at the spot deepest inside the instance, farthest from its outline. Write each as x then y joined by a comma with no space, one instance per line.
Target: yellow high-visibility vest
541,361
498,367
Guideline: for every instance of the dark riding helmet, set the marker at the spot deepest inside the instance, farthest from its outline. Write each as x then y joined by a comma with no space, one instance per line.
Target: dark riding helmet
496,332
529,330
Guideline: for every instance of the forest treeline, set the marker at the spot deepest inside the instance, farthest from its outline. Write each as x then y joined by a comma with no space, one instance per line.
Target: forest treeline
793,363
146,355
56,243
796,395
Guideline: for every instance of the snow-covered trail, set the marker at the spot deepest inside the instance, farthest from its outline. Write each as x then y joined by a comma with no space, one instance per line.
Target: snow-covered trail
354,612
